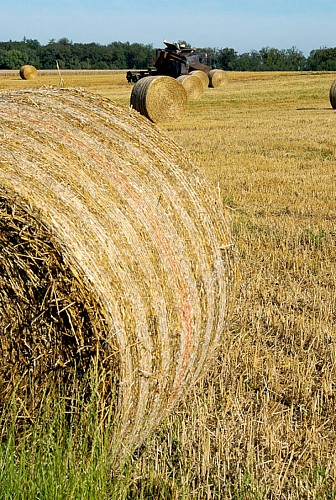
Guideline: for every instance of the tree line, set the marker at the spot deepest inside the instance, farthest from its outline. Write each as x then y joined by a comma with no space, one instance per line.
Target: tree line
125,55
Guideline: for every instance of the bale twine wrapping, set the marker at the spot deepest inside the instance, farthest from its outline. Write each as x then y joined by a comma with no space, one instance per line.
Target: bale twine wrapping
332,95
159,98
192,85
114,254
28,72
202,76
217,78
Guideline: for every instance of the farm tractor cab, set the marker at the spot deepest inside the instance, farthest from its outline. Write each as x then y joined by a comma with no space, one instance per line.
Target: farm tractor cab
174,60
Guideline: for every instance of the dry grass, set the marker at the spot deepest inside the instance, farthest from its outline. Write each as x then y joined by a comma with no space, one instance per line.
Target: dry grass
263,424
267,141
111,84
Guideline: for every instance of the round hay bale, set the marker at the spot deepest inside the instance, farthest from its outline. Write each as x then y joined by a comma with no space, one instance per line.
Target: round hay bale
192,85
28,72
202,76
332,95
217,78
115,258
159,98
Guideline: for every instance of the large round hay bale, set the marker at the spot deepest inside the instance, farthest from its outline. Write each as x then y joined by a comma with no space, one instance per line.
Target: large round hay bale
28,72
159,98
332,95
217,78
115,258
202,76
192,85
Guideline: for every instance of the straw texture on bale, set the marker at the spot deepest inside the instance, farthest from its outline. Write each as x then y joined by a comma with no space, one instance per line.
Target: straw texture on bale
192,85
202,76
28,72
332,95
159,98
217,78
114,255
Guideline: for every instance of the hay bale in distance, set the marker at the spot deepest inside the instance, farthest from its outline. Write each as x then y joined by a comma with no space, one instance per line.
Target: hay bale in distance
332,95
28,72
217,78
202,76
115,257
192,85
159,98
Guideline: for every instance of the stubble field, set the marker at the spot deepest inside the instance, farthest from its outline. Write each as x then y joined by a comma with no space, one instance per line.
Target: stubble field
262,424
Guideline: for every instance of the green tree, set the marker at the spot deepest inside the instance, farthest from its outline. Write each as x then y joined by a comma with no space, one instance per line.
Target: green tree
248,61
226,58
296,60
13,59
139,56
116,55
271,59
322,60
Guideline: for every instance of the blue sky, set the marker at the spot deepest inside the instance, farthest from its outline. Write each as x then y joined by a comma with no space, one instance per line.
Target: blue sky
241,24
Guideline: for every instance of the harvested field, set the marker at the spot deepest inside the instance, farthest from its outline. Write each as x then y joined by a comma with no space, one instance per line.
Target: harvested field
112,84
115,259
262,423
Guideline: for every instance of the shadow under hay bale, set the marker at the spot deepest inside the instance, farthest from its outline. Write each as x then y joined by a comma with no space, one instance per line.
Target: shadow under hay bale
332,95
202,76
159,98
217,78
192,85
28,72
115,257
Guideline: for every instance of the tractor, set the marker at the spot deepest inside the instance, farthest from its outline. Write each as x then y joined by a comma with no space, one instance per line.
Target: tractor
174,60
